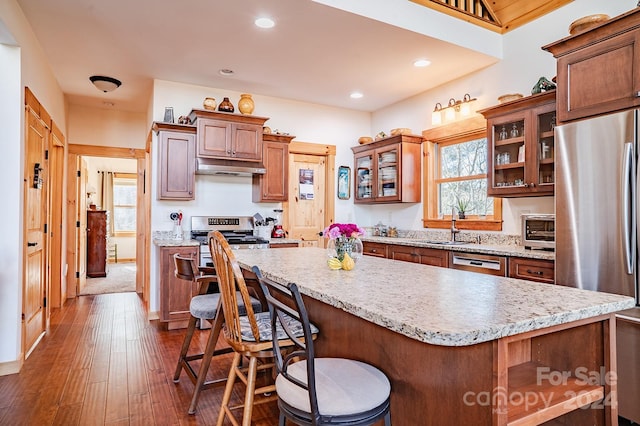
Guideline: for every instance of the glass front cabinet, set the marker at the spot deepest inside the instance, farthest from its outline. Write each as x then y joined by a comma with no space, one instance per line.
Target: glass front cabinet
520,137
388,170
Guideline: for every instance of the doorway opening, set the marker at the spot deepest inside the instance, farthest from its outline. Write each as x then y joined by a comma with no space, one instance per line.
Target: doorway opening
111,189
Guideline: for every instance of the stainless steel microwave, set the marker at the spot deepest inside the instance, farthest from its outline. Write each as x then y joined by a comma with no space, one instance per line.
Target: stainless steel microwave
539,231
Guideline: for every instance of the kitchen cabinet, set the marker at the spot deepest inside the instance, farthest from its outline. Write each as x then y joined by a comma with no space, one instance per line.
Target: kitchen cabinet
97,223
388,170
176,161
597,70
273,185
374,249
425,256
175,293
540,270
228,136
520,138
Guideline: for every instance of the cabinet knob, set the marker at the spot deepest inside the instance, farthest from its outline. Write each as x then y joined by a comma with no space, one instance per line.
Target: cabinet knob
637,94
229,151
233,153
532,184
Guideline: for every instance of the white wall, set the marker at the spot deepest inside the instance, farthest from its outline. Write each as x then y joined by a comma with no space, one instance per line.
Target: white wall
10,218
24,65
107,127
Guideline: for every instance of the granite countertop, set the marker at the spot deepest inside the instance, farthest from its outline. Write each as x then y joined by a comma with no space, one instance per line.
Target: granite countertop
274,241
495,249
435,305
172,242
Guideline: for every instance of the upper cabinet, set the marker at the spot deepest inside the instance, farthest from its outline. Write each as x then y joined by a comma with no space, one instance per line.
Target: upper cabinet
228,136
521,146
273,185
598,69
388,170
176,161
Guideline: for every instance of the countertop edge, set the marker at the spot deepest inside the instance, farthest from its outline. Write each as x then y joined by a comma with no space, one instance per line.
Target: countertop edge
506,250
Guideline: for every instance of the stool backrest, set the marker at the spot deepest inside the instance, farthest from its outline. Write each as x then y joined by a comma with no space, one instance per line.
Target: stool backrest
286,300
231,281
186,268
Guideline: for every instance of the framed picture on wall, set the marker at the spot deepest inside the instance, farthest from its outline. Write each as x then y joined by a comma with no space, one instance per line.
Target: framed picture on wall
344,182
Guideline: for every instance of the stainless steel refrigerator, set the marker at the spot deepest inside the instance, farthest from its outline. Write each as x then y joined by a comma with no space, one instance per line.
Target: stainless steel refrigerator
597,177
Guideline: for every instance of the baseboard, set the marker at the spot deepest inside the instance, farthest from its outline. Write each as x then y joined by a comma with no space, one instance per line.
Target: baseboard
121,260
11,367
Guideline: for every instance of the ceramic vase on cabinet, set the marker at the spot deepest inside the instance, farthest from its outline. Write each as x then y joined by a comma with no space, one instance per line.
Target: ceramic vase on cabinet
245,104
226,106
209,104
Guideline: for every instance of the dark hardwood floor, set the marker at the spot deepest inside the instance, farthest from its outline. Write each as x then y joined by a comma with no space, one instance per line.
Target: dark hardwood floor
103,363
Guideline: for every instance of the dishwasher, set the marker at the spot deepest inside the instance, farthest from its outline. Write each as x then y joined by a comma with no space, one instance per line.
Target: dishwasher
482,263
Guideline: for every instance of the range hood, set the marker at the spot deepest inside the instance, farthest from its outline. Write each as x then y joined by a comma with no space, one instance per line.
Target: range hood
208,166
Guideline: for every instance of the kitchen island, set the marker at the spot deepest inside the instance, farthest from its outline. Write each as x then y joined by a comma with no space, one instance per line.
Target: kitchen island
460,347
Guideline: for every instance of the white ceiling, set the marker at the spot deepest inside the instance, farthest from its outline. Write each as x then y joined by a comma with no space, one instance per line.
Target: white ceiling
315,53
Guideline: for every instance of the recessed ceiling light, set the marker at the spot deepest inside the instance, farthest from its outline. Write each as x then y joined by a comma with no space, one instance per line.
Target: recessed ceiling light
264,23
422,63
226,72
356,95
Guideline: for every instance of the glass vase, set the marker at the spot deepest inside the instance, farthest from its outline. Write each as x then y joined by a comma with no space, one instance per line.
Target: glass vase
336,248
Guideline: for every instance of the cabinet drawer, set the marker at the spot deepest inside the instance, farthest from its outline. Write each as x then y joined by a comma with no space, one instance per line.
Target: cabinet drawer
425,256
374,249
532,269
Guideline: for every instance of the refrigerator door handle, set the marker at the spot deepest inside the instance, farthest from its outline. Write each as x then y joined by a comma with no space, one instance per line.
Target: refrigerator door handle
628,204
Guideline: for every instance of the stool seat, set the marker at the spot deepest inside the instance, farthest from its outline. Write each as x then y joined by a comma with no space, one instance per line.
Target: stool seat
206,306
343,387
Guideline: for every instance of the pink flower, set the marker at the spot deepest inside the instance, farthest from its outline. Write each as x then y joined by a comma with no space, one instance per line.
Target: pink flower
337,230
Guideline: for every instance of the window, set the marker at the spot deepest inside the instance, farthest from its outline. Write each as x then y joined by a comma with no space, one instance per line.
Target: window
456,173
124,204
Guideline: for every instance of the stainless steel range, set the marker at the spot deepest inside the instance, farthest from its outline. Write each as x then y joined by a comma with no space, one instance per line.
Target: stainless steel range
238,230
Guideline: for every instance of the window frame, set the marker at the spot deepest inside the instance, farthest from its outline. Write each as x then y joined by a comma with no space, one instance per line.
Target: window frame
450,134
132,177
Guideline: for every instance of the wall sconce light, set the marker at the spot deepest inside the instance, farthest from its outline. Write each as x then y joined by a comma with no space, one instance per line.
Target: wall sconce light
105,84
454,109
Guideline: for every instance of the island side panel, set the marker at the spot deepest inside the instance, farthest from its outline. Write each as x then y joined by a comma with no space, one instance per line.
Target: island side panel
430,384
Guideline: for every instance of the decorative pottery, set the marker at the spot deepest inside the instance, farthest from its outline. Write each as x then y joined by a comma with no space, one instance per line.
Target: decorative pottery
587,22
266,130
226,106
209,103
245,104
365,139
542,85
183,119
509,97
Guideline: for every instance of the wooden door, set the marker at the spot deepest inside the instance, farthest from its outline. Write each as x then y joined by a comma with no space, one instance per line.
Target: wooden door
81,235
307,174
35,258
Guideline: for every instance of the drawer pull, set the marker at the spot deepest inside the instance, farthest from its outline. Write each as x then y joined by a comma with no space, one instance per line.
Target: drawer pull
374,251
529,271
29,244
474,262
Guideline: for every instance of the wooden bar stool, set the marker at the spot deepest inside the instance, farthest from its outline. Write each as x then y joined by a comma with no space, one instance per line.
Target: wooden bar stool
202,307
249,334
320,391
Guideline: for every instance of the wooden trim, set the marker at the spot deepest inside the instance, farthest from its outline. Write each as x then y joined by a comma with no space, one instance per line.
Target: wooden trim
473,127
121,175
143,215
106,151
297,147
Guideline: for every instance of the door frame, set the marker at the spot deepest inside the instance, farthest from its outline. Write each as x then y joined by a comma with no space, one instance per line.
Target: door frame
143,212
329,154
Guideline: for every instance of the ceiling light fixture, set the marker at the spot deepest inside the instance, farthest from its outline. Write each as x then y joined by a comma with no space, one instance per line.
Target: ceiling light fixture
453,110
105,84
226,72
356,95
422,63
264,23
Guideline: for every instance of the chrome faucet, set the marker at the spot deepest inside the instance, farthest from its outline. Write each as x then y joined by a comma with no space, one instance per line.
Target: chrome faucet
454,230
